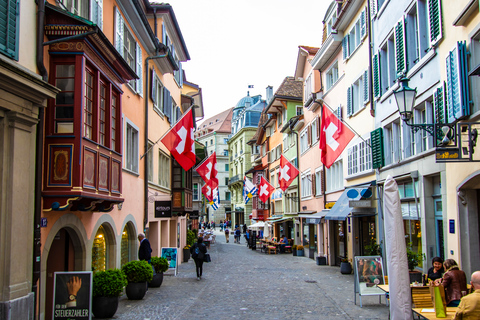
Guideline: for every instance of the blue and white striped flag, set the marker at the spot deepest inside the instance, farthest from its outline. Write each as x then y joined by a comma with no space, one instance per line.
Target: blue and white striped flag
215,203
249,189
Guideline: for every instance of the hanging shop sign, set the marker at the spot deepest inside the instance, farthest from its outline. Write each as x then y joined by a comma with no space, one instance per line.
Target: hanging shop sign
163,209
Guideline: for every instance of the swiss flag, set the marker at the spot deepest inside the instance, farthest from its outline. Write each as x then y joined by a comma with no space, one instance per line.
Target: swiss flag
334,137
287,173
179,141
208,170
207,191
265,189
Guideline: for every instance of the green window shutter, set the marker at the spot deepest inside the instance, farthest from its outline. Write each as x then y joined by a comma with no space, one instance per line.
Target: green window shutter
373,7
377,88
349,101
434,9
8,28
439,103
458,105
400,50
376,140
366,96
363,23
345,47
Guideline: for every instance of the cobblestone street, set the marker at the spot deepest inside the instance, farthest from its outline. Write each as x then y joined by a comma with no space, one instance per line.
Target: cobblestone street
240,283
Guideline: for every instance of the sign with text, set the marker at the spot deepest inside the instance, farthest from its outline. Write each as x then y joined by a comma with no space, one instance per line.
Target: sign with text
72,295
360,203
171,254
163,209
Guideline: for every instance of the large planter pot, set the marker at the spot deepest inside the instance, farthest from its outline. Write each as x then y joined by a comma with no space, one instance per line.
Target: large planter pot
294,251
104,307
186,255
415,276
345,268
136,290
156,281
300,253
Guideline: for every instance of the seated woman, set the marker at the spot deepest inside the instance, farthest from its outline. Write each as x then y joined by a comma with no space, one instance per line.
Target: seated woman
283,243
454,281
437,270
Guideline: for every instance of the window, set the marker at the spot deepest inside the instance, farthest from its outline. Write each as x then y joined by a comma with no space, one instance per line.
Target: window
211,142
9,22
385,70
131,141
195,192
64,102
227,195
318,182
102,111
334,176
306,184
114,116
225,153
357,94
163,170
414,29
88,106
89,9
285,142
206,143
225,140
226,181
299,110
331,21
280,118
332,75
457,93
315,131
291,199
130,50
304,140
150,162
359,158
392,143
353,39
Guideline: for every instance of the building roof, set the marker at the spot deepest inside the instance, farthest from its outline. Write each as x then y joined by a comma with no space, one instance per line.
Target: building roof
221,122
290,89
310,50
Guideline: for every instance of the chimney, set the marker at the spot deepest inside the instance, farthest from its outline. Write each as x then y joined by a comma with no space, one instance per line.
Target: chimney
269,94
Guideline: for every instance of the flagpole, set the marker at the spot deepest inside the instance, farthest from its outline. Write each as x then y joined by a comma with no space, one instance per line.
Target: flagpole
150,148
353,130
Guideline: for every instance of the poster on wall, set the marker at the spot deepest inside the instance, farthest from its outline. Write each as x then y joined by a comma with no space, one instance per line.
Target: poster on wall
72,295
171,254
368,273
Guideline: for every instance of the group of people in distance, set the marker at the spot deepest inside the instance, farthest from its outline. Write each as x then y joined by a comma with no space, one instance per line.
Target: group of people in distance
448,274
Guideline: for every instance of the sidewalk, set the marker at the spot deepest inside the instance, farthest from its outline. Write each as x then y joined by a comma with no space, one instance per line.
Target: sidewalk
242,283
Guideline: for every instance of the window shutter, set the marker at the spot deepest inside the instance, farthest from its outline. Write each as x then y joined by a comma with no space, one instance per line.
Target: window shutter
400,61
345,47
373,7
377,89
8,27
349,102
457,85
318,125
96,9
119,25
139,70
164,35
363,23
350,161
309,135
154,87
366,96
439,103
376,140
314,187
434,21
167,103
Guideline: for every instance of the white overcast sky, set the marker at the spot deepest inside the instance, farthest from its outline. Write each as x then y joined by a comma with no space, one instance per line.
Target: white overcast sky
233,44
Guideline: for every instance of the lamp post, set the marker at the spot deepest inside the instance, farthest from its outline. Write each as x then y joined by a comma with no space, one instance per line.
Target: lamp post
405,97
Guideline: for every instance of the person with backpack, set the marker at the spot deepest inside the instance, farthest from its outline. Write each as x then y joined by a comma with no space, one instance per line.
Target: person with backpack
198,251
237,235
227,234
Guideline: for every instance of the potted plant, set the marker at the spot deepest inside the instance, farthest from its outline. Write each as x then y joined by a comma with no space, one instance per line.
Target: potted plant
138,273
186,253
107,287
373,248
413,259
345,266
161,265
300,251
190,241
294,250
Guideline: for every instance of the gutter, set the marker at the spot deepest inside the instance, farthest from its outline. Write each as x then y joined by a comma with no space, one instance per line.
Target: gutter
370,64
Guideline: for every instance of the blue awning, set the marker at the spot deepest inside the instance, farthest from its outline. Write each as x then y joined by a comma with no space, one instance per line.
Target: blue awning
341,209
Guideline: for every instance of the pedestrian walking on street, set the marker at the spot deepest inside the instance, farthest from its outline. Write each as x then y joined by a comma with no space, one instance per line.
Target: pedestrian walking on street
227,233
237,235
244,228
198,251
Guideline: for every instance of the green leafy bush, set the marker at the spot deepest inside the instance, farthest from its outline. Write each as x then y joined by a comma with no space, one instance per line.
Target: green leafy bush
160,264
190,237
294,247
413,259
109,283
138,271
374,248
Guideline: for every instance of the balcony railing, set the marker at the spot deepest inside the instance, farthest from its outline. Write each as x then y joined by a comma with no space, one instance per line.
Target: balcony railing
234,179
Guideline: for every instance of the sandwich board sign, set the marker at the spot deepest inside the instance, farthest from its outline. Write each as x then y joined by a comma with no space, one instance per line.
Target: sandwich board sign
171,254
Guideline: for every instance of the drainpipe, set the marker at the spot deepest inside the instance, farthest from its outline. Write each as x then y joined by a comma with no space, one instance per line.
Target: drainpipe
370,67
38,163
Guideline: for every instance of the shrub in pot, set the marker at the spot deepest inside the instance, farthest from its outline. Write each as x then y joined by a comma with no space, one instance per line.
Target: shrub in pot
413,259
161,265
294,250
138,273
107,287
345,266
300,251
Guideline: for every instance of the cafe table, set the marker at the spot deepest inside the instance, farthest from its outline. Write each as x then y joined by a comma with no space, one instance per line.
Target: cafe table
429,313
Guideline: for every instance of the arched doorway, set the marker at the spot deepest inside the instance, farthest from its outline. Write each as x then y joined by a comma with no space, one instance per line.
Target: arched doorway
127,250
103,248
65,254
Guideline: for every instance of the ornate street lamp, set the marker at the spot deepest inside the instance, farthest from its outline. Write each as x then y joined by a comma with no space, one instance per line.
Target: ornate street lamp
405,97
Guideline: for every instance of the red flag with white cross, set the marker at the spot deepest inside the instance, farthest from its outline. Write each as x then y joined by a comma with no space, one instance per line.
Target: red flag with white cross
208,170
180,142
265,189
334,137
287,173
207,191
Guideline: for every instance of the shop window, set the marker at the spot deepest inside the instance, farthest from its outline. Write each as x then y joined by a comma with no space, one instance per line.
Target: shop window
99,251
125,247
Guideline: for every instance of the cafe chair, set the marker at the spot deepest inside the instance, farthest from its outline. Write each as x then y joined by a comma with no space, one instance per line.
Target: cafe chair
288,249
272,249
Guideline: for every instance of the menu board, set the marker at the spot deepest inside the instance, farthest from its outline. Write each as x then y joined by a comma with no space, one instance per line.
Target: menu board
72,296
171,254
368,273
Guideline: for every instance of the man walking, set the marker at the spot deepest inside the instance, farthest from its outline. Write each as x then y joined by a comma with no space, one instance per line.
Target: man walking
145,250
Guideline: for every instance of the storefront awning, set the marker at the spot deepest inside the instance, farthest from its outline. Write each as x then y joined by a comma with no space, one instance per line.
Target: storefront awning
280,220
341,209
314,218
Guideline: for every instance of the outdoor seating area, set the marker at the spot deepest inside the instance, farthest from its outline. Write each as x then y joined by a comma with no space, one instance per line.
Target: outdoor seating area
272,246
208,237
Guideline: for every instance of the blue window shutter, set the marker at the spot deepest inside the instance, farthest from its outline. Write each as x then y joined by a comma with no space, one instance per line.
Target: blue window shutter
400,50
349,101
457,83
119,25
8,28
139,70
377,86
167,103
434,11
366,96
154,87
376,140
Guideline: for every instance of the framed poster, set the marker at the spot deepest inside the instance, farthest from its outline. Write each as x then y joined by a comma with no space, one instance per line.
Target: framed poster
72,295
368,273
171,254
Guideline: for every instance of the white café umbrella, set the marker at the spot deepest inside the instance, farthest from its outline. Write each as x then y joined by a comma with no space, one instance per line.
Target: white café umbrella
397,265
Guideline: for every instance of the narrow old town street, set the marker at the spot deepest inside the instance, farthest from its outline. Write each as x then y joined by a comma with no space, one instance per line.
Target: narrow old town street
243,284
